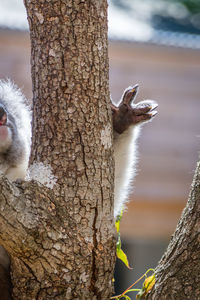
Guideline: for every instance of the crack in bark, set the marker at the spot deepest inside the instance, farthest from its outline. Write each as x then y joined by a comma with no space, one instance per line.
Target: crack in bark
31,271
83,152
95,243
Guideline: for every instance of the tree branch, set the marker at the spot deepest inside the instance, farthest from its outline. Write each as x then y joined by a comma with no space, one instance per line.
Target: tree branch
177,274
61,239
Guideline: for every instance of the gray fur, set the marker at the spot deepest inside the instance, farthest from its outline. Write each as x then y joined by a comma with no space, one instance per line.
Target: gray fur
14,158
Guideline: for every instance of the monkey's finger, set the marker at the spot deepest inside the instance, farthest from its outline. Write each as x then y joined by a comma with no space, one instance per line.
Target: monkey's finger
145,106
154,105
144,117
130,94
141,110
153,113
150,103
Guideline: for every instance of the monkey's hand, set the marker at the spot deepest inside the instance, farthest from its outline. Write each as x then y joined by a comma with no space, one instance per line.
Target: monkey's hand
128,113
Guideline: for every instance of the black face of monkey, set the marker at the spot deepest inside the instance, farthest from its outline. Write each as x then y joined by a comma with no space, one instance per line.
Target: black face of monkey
3,115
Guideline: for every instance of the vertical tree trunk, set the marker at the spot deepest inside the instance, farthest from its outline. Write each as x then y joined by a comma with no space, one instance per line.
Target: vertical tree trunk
178,272
61,239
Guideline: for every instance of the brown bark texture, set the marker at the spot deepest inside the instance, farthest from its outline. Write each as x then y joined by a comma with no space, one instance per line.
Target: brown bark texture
178,272
61,240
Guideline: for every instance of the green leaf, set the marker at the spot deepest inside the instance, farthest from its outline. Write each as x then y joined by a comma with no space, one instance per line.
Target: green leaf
149,283
118,245
118,220
117,225
121,255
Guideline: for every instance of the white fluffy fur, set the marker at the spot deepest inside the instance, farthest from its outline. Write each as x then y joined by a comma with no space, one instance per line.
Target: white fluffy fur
125,160
15,104
125,149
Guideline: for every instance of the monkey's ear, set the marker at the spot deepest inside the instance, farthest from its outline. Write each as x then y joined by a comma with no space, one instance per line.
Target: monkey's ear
130,94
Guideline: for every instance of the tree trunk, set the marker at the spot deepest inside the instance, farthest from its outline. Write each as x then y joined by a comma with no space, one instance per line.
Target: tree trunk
178,272
61,239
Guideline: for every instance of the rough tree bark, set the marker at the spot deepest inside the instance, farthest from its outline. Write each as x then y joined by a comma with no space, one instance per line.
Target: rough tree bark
178,272
61,239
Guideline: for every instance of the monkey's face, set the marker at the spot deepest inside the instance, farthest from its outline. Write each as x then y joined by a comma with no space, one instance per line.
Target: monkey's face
5,131
3,116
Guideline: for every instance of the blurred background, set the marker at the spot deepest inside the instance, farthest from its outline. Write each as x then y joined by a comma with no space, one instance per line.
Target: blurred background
155,44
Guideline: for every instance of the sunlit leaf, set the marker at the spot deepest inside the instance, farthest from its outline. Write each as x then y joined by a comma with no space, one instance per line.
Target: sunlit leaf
121,255
146,287
118,220
117,225
149,283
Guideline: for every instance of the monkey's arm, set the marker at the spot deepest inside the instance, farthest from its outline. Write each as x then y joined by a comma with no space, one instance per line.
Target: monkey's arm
127,120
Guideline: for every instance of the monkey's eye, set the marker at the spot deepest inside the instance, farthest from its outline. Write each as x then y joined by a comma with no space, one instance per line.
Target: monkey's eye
3,119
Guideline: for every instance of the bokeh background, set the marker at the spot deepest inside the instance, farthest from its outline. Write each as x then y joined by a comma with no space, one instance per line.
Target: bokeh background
155,44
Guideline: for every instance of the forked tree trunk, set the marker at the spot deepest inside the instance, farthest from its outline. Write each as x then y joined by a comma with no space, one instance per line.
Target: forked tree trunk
178,272
61,239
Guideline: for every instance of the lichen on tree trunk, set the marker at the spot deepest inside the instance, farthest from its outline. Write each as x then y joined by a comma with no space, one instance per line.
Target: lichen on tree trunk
61,240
